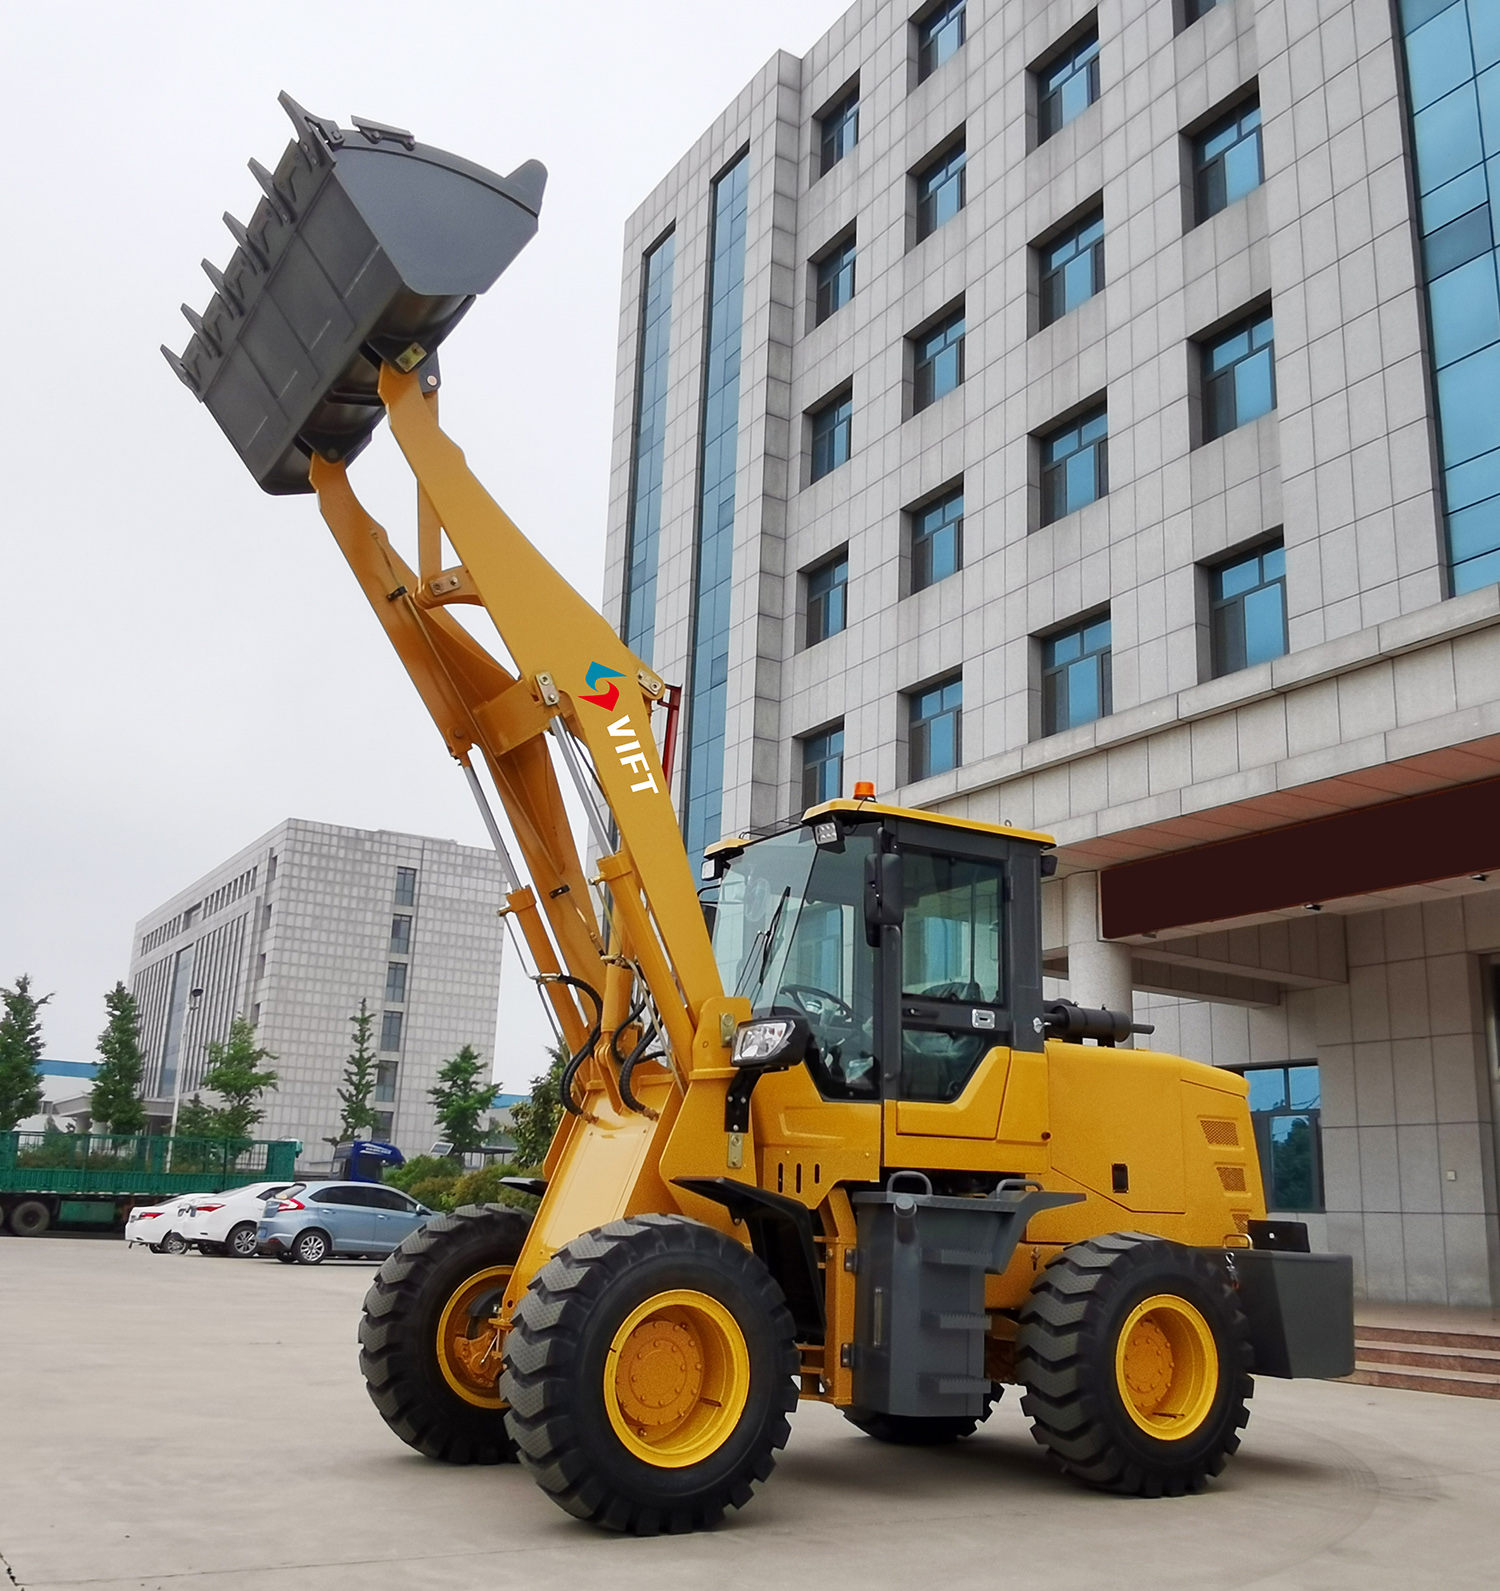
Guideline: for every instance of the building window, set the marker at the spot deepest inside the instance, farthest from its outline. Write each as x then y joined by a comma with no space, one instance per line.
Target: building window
390,1030
406,886
1247,609
385,1081
1286,1115
1239,376
648,450
260,966
939,35
830,435
395,983
940,190
938,361
827,598
1227,160
400,936
1072,267
1075,465
823,767
835,280
1195,10
1450,51
718,443
271,869
935,741
1067,85
838,131
385,1123
1075,676
937,540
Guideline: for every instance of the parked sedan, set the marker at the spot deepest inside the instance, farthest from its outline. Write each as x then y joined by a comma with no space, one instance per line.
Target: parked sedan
312,1220
159,1226
226,1223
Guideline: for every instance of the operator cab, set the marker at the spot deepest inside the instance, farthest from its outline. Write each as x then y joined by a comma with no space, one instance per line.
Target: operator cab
909,943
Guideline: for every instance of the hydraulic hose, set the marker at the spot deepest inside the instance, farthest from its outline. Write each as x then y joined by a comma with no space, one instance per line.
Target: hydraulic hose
586,1049
628,1063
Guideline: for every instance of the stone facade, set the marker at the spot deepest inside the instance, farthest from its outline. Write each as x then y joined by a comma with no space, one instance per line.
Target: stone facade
1389,685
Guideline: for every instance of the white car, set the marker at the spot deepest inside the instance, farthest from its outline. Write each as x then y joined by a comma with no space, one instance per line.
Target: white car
159,1226
225,1223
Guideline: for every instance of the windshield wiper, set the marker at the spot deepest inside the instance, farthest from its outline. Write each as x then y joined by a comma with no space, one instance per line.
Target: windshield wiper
764,942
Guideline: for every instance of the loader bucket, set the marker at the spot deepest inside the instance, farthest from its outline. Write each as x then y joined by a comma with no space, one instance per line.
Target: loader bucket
367,247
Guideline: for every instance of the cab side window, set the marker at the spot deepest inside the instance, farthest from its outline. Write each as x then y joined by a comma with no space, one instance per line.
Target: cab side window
952,975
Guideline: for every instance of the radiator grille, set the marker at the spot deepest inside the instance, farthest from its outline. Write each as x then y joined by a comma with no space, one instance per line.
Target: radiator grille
1233,1178
1220,1132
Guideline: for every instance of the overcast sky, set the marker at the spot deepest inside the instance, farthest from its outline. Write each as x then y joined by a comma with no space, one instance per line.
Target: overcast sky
185,661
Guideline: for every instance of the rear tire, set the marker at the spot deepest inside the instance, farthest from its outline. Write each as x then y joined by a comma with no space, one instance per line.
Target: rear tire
30,1218
173,1243
1136,1358
909,1430
240,1244
287,1259
311,1247
650,1371
429,1347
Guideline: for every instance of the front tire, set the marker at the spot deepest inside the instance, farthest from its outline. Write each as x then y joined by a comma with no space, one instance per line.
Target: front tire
1135,1357
650,1371
430,1340
30,1218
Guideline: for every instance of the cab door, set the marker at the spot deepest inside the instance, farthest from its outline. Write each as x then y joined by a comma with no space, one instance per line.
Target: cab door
948,1082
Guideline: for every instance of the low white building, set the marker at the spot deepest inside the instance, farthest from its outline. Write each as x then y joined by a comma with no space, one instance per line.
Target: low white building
293,932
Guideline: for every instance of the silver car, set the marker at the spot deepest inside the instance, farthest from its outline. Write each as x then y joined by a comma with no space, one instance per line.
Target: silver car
312,1220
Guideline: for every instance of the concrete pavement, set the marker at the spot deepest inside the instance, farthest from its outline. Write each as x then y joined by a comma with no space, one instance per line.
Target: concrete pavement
200,1424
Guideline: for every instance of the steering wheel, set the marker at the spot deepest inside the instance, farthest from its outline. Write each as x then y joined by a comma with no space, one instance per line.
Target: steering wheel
842,1008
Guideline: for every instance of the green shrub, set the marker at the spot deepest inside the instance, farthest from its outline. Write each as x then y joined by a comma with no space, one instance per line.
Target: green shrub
484,1187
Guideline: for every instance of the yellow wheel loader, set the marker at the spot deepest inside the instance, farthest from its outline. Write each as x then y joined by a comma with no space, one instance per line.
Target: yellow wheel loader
824,1136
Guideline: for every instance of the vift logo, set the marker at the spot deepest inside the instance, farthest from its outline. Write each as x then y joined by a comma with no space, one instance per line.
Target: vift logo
626,737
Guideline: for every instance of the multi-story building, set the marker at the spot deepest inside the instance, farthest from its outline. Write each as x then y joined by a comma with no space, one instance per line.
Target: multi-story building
1087,416
294,932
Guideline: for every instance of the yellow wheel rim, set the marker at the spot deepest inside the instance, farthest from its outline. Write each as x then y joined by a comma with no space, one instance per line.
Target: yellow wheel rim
1167,1367
676,1379
468,1344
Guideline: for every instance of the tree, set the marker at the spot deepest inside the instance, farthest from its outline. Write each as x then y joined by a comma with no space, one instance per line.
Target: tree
535,1121
20,1053
356,1113
197,1120
462,1098
234,1074
116,1104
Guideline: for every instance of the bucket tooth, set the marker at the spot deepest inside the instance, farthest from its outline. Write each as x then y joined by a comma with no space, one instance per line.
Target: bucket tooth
181,372
195,320
305,122
278,200
222,288
242,237
375,131
527,184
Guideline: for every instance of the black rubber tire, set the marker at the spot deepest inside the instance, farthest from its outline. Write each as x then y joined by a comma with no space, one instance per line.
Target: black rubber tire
556,1353
910,1430
240,1242
398,1333
1065,1359
312,1247
30,1218
287,1259
174,1243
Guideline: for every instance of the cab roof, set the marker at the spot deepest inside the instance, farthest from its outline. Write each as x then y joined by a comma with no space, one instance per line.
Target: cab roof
879,809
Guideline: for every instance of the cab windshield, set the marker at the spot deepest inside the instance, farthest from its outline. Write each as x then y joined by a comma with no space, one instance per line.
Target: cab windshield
789,935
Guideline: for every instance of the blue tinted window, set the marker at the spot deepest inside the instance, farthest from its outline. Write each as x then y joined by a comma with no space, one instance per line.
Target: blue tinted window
1447,138
831,427
940,190
1465,308
823,767
1227,160
1076,685
1068,86
638,621
1075,465
1438,57
827,599
937,540
935,736
938,362
708,702
939,35
1072,268
835,279
1247,610
839,132
1466,399
1239,376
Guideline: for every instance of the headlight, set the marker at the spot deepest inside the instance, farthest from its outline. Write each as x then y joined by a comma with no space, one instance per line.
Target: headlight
758,1042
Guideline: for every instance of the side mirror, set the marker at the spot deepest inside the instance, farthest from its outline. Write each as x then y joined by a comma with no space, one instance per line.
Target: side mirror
882,894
